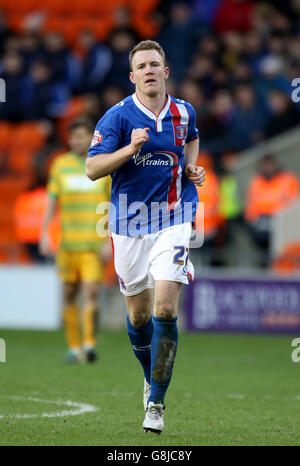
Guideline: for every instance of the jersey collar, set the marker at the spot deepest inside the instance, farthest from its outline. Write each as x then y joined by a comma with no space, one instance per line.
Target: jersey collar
157,118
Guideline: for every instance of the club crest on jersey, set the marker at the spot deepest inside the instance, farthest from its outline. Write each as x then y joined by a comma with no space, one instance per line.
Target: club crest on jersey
181,132
97,137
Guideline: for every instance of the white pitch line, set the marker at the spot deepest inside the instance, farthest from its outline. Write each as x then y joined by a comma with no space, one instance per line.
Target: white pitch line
81,408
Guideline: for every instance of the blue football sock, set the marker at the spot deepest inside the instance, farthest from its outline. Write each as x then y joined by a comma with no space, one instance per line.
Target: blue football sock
163,352
141,344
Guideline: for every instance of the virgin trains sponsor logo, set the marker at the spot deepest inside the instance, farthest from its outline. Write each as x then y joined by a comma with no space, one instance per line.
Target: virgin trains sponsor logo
158,158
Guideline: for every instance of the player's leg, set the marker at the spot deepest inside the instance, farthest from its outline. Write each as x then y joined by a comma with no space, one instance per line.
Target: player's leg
165,337
163,350
90,292
140,331
68,274
71,320
91,274
169,266
131,264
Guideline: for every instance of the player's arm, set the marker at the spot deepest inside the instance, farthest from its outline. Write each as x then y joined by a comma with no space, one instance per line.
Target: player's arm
191,152
101,165
44,245
193,172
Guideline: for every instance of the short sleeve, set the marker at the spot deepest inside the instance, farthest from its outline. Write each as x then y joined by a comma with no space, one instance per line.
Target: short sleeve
193,132
53,183
106,138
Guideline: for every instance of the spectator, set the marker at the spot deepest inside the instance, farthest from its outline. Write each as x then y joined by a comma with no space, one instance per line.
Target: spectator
43,98
209,202
121,42
254,51
12,73
111,95
205,10
230,204
180,25
96,61
201,70
64,65
233,47
209,45
191,92
241,74
213,131
271,190
234,15
92,108
31,49
247,125
284,113
29,211
4,31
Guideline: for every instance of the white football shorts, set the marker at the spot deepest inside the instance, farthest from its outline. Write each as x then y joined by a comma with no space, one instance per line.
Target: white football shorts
164,255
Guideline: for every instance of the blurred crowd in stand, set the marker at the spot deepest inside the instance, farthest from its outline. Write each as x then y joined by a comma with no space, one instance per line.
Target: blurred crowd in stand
233,60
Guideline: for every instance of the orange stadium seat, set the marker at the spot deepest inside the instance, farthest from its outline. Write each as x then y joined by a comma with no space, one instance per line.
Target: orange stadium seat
55,23
16,21
143,6
27,135
57,7
144,26
21,161
99,26
111,5
10,188
27,5
5,132
87,6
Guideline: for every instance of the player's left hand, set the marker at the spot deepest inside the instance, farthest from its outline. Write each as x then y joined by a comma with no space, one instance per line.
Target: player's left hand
195,174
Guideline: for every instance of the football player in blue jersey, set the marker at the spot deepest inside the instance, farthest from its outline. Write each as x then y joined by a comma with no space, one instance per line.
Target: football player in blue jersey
149,145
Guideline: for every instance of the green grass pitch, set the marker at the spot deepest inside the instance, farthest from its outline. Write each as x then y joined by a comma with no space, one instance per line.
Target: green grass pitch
226,390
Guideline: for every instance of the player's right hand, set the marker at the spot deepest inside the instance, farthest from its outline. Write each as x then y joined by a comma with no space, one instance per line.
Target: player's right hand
44,246
138,137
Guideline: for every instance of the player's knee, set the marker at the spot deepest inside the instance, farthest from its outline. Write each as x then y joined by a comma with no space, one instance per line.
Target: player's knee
165,310
138,319
70,292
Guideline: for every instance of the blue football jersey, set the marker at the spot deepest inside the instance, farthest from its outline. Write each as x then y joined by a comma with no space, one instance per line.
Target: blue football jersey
150,191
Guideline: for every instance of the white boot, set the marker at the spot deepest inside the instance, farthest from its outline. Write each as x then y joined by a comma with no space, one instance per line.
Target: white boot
154,420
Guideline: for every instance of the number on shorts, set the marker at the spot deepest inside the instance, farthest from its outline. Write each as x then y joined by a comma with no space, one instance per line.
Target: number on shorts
178,256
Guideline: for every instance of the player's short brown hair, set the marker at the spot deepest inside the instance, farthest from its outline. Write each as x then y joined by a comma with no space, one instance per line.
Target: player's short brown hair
82,123
146,45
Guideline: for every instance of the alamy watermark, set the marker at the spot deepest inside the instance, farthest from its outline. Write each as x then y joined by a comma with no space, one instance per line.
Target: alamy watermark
139,219
296,92
2,90
2,350
296,352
